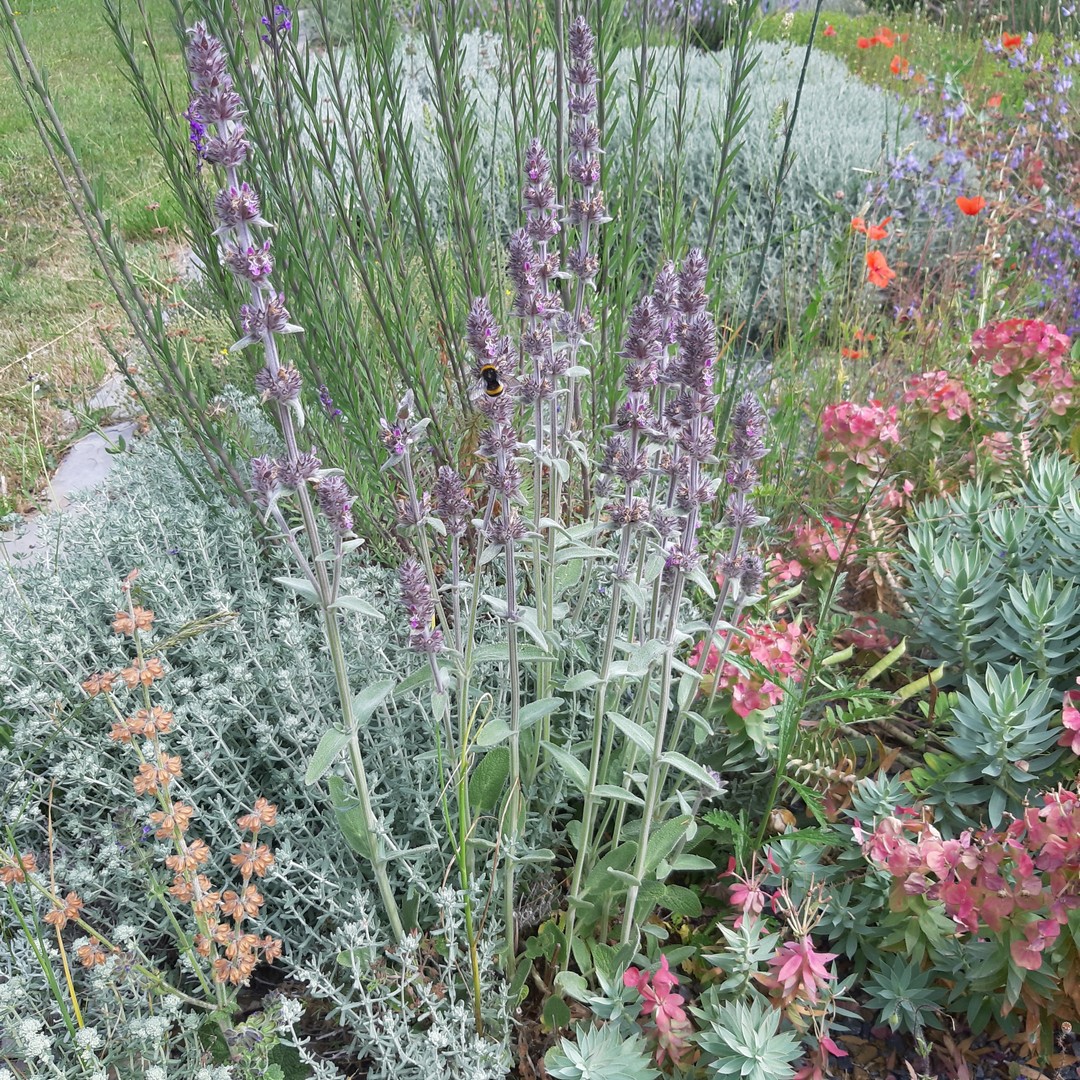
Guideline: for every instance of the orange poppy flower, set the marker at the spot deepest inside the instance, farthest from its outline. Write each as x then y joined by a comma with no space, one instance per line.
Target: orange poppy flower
830,30
899,66
878,232
1011,41
904,37
993,101
970,204
863,43
878,270
885,37
850,354
874,232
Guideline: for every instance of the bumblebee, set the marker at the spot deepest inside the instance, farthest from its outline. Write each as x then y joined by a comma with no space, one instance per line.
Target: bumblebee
489,376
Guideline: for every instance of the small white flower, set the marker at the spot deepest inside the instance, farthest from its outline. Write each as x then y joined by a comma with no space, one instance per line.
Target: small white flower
33,1042
89,1038
291,1011
125,933
155,1072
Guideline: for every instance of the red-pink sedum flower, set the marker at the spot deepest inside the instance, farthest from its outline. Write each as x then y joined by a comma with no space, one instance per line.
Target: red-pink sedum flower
1070,719
1027,952
1018,345
817,1060
664,1004
798,970
746,895
774,647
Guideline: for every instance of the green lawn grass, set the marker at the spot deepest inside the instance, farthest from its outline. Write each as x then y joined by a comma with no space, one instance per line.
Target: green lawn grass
53,298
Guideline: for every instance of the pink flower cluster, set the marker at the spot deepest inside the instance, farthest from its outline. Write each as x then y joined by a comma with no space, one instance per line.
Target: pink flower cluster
1031,350
1020,881
1070,719
774,648
1001,448
664,1004
816,547
858,433
797,970
938,392
865,632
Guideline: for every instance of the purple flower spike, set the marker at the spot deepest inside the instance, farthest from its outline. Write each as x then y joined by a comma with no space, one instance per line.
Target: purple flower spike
451,503
234,206
424,635
327,402
335,501
229,151
264,479
253,264
282,385
278,26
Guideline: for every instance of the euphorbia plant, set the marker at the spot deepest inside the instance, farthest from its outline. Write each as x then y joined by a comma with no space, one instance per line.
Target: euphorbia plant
1012,889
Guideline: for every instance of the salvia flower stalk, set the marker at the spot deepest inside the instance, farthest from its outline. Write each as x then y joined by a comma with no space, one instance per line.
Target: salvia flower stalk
216,109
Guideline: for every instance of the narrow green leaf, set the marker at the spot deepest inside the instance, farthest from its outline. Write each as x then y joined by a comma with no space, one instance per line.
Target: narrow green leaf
692,862
664,839
572,769
350,818
488,779
359,605
333,741
527,654
300,586
493,732
581,681
611,791
690,768
537,710
370,698
419,677
634,732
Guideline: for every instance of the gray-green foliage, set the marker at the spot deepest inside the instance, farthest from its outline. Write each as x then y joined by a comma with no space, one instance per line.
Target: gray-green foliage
135,1033
992,575
408,1024
838,138
600,1053
742,1038
1001,745
251,696
904,995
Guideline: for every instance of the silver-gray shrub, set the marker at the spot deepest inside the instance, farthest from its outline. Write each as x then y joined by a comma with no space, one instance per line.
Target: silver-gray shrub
842,127
252,695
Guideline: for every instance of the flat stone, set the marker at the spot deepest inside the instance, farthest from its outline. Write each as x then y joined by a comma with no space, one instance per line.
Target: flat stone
85,466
